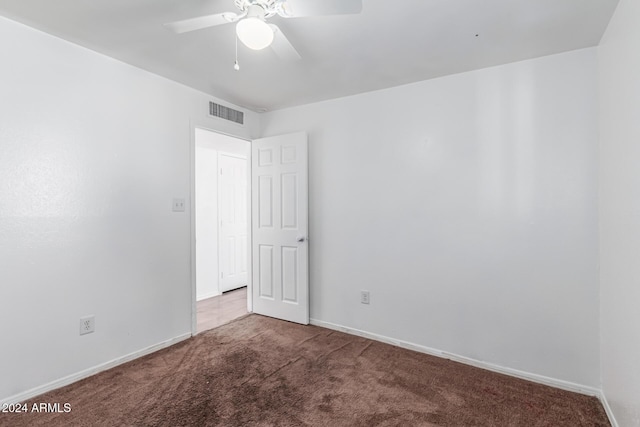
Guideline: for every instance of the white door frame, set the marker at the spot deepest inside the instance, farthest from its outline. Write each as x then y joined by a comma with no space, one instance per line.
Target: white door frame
192,192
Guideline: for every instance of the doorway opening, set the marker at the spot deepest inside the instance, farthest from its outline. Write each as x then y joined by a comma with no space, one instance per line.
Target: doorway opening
222,223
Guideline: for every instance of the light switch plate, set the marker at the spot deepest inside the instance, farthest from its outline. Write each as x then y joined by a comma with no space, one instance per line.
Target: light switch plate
178,205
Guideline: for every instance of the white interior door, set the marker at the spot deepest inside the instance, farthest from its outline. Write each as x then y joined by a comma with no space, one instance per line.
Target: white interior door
279,205
232,211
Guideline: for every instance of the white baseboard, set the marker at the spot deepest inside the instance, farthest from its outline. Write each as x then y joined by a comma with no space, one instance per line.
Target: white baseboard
541,379
607,409
21,397
561,384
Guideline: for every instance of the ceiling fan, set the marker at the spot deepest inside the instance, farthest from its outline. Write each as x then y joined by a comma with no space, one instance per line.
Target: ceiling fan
251,22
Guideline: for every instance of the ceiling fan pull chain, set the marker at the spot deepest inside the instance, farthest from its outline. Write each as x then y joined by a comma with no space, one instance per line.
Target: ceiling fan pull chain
236,66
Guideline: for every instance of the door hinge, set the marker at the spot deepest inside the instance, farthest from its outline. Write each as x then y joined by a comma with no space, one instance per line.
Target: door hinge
220,171
221,275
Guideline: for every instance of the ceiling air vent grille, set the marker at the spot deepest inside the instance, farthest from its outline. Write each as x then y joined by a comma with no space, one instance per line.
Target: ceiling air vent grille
217,110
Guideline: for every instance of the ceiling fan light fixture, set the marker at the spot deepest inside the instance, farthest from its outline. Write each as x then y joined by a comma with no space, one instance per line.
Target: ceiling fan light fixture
253,31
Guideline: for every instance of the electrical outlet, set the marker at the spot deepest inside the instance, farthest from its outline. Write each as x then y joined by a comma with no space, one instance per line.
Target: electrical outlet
178,205
87,325
364,297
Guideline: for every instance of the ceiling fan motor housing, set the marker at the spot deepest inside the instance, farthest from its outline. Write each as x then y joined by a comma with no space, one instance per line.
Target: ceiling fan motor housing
270,7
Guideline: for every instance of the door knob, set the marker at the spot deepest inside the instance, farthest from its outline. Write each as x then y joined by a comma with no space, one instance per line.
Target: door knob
301,239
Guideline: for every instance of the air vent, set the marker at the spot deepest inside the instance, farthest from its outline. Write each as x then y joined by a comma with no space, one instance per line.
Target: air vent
217,110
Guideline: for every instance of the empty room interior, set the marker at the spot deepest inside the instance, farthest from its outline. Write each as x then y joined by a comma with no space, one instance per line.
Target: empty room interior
451,179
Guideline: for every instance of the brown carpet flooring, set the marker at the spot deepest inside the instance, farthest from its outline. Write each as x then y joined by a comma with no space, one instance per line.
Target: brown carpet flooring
257,371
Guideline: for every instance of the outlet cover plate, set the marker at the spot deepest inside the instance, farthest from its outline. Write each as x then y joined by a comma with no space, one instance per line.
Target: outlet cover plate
87,325
365,297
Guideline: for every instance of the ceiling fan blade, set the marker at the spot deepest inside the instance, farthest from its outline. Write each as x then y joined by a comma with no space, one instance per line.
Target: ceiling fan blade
302,8
282,47
202,22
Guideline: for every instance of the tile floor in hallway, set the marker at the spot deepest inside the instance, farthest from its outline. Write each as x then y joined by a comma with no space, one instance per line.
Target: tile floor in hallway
216,311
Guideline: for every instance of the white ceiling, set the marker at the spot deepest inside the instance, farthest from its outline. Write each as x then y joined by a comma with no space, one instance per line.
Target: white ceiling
392,42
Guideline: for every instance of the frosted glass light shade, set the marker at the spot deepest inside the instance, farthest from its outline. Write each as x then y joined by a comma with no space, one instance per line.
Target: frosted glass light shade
254,33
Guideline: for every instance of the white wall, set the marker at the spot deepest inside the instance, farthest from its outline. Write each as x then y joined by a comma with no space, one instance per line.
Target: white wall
467,205
92,153
619,75
208,145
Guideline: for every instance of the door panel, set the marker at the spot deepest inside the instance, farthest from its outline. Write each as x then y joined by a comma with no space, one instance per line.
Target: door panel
265,270
289,201
265,189
280,227
289,274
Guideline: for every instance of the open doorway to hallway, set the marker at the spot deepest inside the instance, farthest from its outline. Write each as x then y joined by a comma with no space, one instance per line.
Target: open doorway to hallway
215,311
221,228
